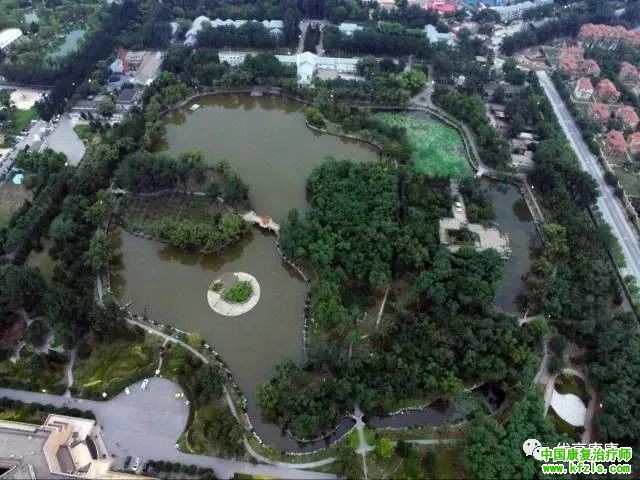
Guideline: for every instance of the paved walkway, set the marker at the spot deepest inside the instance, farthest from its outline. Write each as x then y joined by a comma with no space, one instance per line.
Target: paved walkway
263,459
363,446
147,424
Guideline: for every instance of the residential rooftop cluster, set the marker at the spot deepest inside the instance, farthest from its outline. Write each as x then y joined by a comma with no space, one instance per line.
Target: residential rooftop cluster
600,95
607,35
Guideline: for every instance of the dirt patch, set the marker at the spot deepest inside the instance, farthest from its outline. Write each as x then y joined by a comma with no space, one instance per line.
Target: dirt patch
12,197
25,98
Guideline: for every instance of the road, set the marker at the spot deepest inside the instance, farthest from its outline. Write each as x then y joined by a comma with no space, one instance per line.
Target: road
147,424
33,139
608,205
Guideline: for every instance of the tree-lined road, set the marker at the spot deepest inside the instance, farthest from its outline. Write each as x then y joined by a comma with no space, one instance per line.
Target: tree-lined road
608,204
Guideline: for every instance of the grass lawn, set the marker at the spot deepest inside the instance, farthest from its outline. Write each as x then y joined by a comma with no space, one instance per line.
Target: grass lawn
11,199
35,372
115,365
629,180
21,413
84,132
437,149
20,120
567,383
177,207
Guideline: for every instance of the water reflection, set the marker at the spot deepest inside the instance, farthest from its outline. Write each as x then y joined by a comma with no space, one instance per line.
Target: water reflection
266,142
513,217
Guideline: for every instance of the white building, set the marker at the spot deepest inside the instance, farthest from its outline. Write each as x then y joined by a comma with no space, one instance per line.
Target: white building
64,447
307,64
275,27
233,58
8,36
511,12
435,36
349,28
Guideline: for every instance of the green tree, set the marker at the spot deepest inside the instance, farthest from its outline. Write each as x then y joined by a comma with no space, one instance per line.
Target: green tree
107,107
385,447
100,253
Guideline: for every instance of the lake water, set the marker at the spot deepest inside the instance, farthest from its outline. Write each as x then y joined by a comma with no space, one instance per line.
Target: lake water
513,217
266,141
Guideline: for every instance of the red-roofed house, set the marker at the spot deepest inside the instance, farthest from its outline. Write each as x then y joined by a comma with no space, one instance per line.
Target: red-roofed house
607,91
614,143
599,112
445,7
607,35
568,65
628,116
633,141
591,68
570,59
628,72
584,88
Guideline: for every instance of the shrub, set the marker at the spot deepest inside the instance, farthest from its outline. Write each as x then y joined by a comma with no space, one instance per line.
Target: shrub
238,293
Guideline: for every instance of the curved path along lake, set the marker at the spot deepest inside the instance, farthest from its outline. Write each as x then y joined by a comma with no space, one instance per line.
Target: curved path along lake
266,142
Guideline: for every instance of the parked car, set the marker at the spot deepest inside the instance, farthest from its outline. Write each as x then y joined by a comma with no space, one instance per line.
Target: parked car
145,382
127,461
136,464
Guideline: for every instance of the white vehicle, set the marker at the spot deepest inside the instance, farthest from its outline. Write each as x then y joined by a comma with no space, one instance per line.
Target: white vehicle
145,382
127,391
458,207
136,464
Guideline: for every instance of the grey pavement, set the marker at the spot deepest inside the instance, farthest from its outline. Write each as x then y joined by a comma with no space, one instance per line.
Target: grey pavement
64,139
147,424
611,210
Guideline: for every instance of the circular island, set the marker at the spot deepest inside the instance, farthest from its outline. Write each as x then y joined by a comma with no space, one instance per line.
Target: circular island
233,294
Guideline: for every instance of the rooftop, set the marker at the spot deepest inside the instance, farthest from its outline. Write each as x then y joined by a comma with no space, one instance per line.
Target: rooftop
628,71
628,115
23,447
61,448
614,142
590,31
447,7
591,67
600,111
584,83
434,36
199,22
606,88
8,36
634,139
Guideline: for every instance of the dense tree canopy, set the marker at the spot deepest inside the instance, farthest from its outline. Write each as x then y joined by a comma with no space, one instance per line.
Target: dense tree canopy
369,225
492,450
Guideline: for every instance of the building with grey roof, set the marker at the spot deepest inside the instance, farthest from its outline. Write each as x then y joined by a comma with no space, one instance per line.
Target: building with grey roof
63,447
